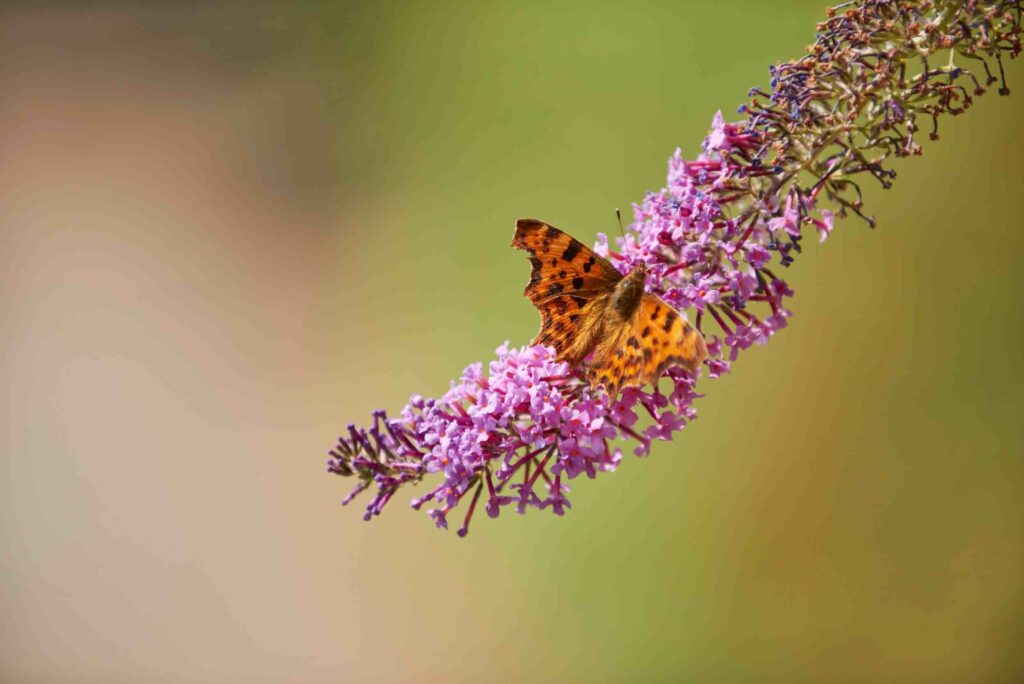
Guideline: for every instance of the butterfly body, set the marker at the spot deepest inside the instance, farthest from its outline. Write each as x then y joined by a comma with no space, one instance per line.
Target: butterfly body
627,293
593,316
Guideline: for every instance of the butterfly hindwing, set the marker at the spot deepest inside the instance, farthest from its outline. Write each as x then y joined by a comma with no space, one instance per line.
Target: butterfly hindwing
617,360
569,285
570,329
639,350
666,339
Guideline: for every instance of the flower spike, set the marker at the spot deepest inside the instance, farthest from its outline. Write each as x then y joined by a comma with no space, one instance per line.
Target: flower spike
712,240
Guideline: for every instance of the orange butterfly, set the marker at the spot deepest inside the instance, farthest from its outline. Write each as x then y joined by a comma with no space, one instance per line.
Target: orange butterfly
587,308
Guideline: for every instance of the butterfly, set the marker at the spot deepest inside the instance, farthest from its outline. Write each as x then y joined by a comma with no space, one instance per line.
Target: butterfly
589,310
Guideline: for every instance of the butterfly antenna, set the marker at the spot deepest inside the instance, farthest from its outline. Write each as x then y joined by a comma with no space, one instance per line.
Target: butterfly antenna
618,215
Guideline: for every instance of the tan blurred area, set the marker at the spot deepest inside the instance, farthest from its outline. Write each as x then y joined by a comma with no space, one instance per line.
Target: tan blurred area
166,232
226,232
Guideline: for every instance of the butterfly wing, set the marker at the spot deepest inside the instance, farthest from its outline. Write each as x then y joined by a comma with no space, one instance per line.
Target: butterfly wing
639,350
570,285
617,361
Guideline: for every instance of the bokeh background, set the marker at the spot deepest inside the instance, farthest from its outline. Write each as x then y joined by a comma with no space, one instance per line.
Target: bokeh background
227,231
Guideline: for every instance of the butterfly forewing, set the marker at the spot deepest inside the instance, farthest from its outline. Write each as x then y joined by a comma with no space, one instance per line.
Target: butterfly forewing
570,286
561,263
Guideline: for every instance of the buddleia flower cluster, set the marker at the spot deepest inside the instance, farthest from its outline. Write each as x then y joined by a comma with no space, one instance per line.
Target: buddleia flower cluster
715,240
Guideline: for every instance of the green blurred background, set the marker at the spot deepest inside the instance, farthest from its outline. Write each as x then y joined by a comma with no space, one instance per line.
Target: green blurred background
228,231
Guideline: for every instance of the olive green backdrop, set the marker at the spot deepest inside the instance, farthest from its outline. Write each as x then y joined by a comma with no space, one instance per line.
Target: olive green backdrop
227,232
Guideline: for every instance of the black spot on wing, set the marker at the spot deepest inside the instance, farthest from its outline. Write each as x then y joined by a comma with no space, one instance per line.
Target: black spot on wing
577,283
574,248
670,318
590,264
